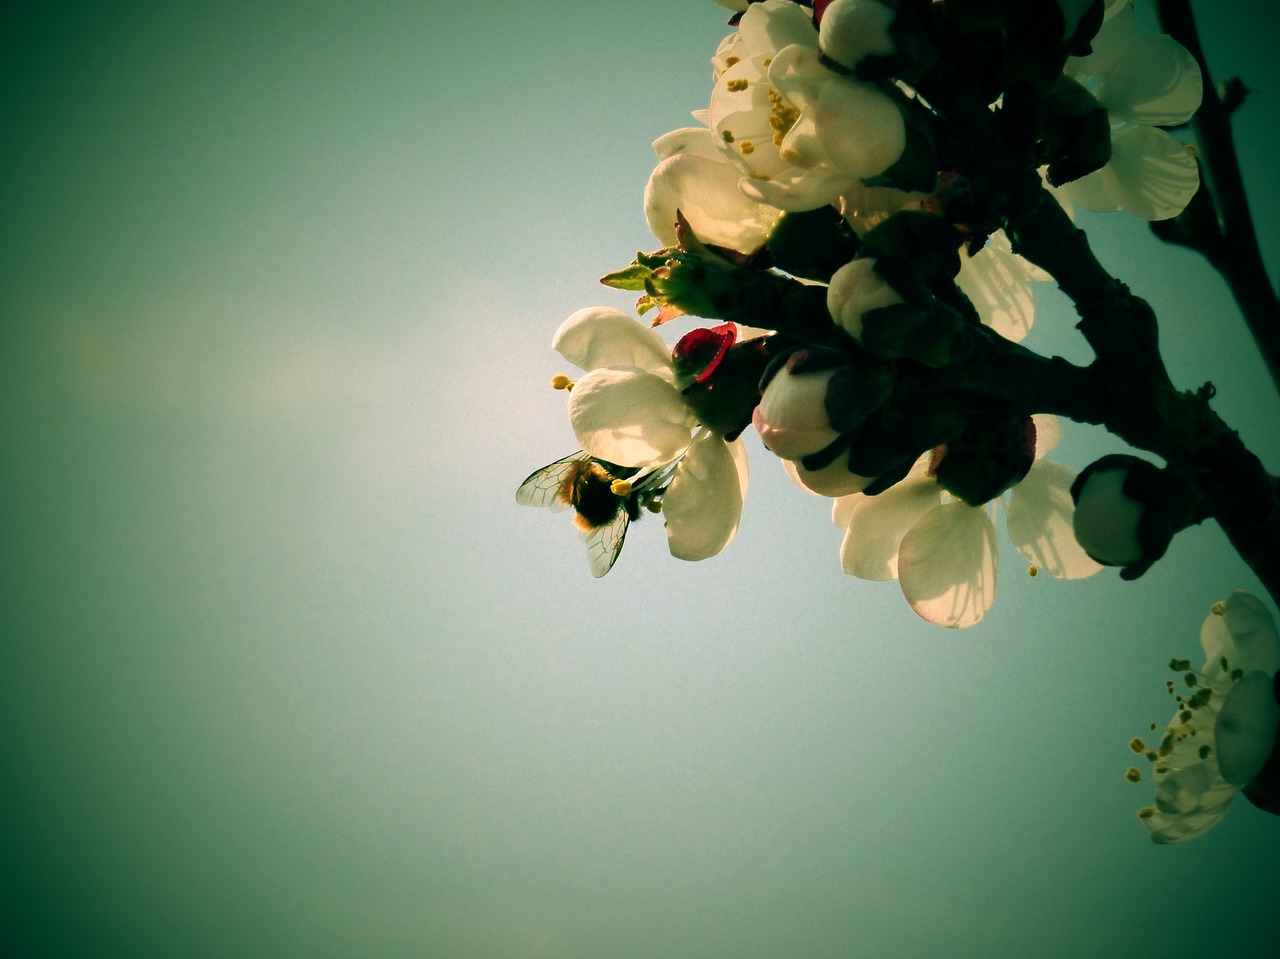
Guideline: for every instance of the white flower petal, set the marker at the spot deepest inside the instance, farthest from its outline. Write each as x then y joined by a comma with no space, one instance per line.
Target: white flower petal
859,127
1048,432
1253,632
1150,174
1039,522
706,192
833,479
866,206
629,417
798,188
703,505
599,336
1156,82
875,525
996,283
695,141
1107,46
1172,826
740,120
799,75
768,27
1245,731
947,565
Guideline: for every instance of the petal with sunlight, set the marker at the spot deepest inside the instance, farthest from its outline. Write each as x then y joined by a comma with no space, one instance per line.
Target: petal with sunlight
706,192
599,336
703,505
875,525
947,565
1253,632
1156,82
996,284
1039,522
629,417
1151,174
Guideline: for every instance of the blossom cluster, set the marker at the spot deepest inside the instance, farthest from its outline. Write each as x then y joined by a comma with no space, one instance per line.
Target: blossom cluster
814,210
843,211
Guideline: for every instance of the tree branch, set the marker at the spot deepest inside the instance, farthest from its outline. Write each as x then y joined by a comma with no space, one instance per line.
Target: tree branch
1234,251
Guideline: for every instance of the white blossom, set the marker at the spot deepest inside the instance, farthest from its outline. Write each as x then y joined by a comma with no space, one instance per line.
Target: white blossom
1224,727
943,552
1144,81
627,411
694,178
801,133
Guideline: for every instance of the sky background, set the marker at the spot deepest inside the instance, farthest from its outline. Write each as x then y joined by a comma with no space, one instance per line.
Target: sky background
284,670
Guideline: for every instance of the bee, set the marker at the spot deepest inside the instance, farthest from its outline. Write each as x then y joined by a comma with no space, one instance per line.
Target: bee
604,500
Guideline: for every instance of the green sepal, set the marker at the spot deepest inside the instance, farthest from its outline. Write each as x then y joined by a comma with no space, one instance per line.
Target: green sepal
901,434
991,454
933,337
725,400
1075,136
928,241
889,478
812,244
915,51
692,285
855,392
976,16
628,278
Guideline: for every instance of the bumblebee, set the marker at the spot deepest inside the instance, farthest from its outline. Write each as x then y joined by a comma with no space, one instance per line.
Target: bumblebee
602,496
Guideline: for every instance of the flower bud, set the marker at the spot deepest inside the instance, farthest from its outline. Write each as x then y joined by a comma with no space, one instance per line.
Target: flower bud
856,289
884,304
853,29
834,479
1125,512
792,415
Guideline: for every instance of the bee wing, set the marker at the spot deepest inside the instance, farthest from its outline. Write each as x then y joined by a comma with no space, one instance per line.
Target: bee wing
542,487
604,543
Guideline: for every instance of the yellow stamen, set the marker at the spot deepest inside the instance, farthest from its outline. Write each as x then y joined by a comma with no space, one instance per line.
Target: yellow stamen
1146,812
1033,570
730,61
1218,608
738,85
747,147
727,136
1137,745
1133,775
561,382
620,487
782,117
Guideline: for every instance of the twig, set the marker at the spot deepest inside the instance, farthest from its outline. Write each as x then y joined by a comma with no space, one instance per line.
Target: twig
1234,251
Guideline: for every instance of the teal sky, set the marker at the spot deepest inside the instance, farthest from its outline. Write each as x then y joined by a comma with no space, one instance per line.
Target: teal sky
284,671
